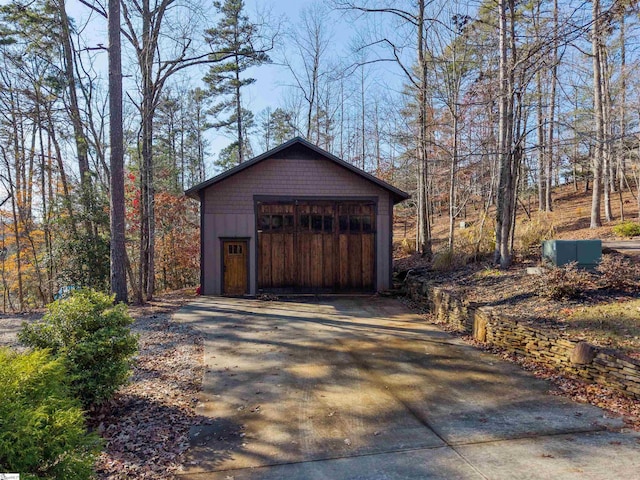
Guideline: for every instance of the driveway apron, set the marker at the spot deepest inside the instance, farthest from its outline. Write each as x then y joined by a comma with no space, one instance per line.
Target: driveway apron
362,388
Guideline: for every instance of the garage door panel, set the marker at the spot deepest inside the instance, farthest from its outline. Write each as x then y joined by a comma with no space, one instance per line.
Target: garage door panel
316,246
290,267
343,264
328,261
354,261
368,256
303,246
316,263
277,259
264,262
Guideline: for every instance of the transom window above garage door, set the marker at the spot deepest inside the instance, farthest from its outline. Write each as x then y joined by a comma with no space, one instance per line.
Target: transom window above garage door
356,224
315,223
276,223
325,217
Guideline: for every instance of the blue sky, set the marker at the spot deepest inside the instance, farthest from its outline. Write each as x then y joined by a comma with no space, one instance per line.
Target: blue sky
271,80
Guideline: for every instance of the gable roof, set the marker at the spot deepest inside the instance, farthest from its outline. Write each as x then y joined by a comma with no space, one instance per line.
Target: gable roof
397,194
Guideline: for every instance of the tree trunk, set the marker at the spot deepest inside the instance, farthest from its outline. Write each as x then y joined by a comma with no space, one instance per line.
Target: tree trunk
66,201
452,180
541,140
377,140
503,129
506,187
150,92
607,164
116,192
423,234
82,144
362,120
552,111
576,150
621,164
47,295
239,113
596,163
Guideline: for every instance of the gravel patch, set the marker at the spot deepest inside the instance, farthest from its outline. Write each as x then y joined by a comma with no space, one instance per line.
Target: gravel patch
10,325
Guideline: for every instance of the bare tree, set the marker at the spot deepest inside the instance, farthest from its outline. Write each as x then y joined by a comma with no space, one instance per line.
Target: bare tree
598,154
507,159
417,76
552,109
451,59
308,68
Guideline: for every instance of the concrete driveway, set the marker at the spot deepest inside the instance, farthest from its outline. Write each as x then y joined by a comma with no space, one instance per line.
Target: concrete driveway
361,388
628,247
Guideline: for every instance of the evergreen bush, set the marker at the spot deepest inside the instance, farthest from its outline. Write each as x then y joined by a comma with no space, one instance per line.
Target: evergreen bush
42,430
627,229
92,335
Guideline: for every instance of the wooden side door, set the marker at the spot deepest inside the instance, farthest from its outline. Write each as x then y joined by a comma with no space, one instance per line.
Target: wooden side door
235,255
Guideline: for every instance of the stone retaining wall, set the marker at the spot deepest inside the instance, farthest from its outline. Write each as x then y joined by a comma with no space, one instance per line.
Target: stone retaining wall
606,367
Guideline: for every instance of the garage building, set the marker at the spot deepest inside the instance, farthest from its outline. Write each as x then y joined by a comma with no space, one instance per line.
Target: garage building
295,219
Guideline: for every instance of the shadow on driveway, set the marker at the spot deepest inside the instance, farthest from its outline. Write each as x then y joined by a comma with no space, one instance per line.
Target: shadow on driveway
363,388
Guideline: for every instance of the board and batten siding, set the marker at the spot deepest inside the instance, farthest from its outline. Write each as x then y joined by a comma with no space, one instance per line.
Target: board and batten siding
229,209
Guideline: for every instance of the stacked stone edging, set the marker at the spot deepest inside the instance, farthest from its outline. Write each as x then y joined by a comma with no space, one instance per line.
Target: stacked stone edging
594,364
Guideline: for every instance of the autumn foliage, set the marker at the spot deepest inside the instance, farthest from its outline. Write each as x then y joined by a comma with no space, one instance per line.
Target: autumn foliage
178,242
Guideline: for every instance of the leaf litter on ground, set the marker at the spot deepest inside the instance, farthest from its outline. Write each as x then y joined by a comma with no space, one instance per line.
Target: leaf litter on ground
146,426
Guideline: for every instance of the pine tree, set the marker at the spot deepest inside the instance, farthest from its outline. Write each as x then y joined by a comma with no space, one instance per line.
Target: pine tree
276,127
233,36
117,208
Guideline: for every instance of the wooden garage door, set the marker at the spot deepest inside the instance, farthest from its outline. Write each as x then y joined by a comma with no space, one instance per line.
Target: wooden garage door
319,246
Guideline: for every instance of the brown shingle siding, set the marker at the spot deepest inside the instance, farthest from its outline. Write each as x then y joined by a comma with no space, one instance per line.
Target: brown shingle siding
288,177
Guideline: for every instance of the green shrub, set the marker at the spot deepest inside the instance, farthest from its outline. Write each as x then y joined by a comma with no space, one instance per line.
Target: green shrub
93,337
563,282
627,229
42,431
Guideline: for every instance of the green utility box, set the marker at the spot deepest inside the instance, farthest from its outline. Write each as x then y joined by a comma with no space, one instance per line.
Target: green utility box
587,253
